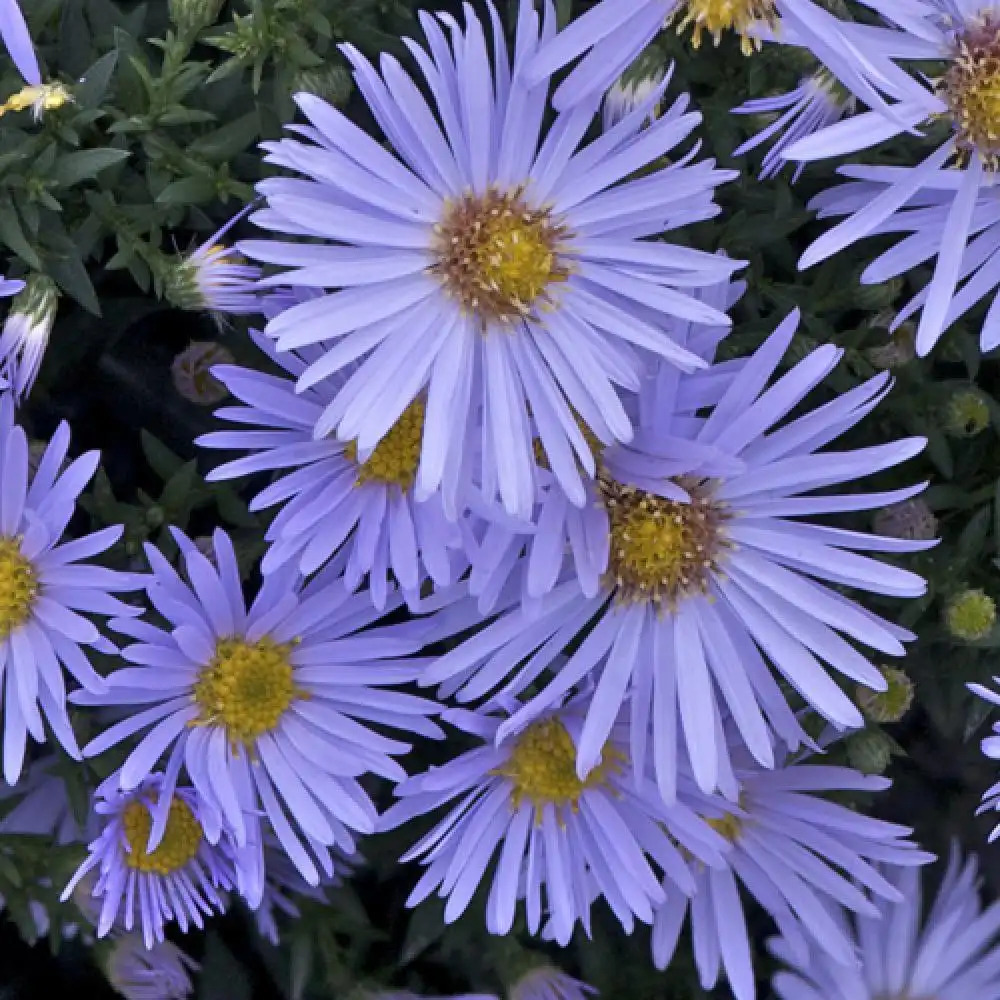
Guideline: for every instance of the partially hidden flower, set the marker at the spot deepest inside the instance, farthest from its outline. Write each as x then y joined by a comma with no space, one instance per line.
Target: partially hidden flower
214,278
952,951
549,983
559,840
160,972
182,878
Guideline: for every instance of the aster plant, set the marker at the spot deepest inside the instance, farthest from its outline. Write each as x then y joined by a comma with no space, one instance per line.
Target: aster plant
714,579
268,708
488,270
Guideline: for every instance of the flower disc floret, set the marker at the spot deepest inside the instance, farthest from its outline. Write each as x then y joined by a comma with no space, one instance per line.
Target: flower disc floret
971,88
661,549
542,767
18,586
717,16
397,456
178,847
970,615
247,688
498,256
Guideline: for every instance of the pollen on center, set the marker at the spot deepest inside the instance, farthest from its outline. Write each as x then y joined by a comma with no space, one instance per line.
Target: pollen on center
498,257
397,456
660,550
542,767
717,16
246,688
18,586
178,847
971,88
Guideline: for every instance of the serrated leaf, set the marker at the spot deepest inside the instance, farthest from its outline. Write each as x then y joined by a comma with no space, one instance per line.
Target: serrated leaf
71,168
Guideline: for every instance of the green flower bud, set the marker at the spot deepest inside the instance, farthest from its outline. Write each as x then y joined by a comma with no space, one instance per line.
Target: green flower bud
869,750
966,414
970,615
889,705
333,83
191,16
900,350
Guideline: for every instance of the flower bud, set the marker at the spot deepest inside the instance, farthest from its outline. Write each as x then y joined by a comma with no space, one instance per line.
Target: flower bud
869,751
900,349
970,614
966,414
138,972
889,705
191,16
26,332
191,372
912,520
214,278
333,83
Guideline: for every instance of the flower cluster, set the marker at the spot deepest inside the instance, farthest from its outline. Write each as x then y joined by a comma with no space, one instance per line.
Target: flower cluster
523,500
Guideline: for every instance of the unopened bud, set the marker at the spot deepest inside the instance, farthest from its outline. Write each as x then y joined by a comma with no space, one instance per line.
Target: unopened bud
333,83
900,349
869,751
191,16
967,414
970,615
192,372
26,332
891,704
912,520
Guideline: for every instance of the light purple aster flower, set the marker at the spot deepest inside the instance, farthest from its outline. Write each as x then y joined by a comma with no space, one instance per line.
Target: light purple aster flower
798,854
162,972
814,104
333,497
953,955
556,835
558,525
26,331
181,878
17,41
964,35
485,267
549,983
45,590
268,708
716,580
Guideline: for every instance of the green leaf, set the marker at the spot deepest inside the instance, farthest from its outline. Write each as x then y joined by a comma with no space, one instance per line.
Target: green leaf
187,191
161,459
71,276
222,975
71,168
13,235
91,89
224,143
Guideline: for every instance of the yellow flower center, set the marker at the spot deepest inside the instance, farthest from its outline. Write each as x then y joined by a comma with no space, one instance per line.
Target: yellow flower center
18,586
40,99
246,688
717,16
971,88
498,257
661,550
396,457
178,847
542,767
729,826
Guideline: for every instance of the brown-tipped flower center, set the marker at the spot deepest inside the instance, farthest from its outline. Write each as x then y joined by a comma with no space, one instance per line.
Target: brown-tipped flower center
971,88
661,550
498,256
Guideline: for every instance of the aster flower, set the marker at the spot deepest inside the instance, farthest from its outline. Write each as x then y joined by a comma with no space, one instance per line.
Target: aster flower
334,496
43,806
963,35
44,588
17,40
953,955
818,101
483,268
214,278
798,854
141,883
714,579
574,838
138,972
549,983
26,331
557,524
267,708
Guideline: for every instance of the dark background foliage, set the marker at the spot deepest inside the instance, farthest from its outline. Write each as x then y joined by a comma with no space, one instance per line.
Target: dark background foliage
160,148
